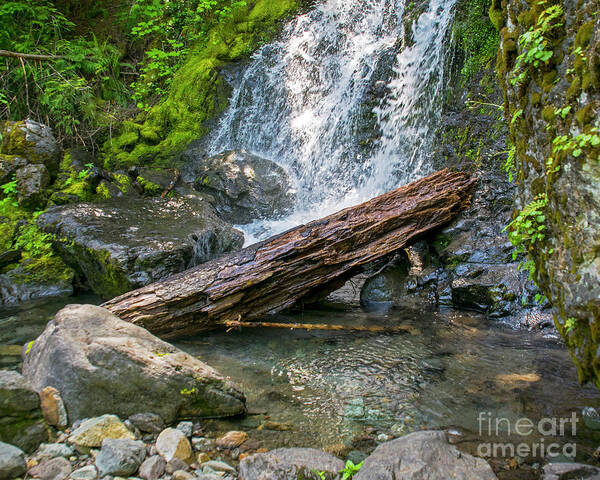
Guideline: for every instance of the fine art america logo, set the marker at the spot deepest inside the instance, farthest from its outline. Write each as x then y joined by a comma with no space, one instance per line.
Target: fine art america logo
545,432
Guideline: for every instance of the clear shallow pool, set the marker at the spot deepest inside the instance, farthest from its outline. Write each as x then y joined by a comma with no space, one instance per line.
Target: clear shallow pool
331,389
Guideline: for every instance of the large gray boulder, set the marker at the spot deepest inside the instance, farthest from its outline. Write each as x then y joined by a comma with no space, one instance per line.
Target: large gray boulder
21,421
425,455
101,364
31,141
287,463
242,187
121,245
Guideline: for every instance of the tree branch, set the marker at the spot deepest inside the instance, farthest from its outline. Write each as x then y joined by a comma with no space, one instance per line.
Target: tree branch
30,56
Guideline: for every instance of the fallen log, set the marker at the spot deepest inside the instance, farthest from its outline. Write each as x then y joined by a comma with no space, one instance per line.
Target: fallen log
277,273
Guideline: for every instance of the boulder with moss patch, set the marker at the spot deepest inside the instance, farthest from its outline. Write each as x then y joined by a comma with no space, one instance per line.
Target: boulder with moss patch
101,364
118,246
32,141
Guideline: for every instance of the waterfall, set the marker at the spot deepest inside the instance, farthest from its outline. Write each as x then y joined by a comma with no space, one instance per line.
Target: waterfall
346,101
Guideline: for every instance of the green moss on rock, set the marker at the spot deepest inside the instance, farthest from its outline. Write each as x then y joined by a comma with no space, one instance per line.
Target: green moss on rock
198,92
561,162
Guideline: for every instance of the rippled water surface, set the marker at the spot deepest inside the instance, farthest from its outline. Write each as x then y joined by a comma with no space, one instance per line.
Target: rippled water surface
330,387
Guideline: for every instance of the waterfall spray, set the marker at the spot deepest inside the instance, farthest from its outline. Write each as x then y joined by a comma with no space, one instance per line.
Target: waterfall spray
306,100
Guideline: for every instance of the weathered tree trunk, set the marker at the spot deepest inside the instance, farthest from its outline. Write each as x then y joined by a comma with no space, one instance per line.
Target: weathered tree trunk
276,273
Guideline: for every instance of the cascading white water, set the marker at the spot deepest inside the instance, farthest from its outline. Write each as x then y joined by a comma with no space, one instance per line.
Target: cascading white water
304,101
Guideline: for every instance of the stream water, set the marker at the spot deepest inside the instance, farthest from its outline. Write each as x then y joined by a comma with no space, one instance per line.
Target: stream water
330,388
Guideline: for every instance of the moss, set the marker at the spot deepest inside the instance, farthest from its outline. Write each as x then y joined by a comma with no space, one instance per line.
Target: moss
14,141
575,89
496,14
536,99
105,277
584,34
151,189
548,113
526,19
123,181
103,192
47,269
586,81
585,115
198,92
549,80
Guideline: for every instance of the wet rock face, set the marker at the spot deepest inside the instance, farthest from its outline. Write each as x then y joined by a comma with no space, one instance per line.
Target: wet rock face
119,246
101,364
468,265
242,187
14,287
422,455
21,421
555,106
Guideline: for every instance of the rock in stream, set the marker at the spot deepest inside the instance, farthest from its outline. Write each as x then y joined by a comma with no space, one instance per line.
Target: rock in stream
101,364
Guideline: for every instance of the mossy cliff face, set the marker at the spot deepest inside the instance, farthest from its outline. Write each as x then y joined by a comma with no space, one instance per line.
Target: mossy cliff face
549,68
198,91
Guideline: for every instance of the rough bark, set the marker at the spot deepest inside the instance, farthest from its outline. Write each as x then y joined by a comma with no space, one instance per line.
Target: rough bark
274,274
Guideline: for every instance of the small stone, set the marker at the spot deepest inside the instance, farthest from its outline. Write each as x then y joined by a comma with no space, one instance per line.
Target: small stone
147,422
356,456
153,468
203,443
120,456
186,427
11,350
183,475
208,471
53,407
92,432
172,443
88,472
355,408
218,466
591,418
203,457
277,426
12,461
232,439
174,465
53,450
383,437
55,469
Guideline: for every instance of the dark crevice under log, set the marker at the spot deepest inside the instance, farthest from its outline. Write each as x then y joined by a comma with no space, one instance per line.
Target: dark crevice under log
277,273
